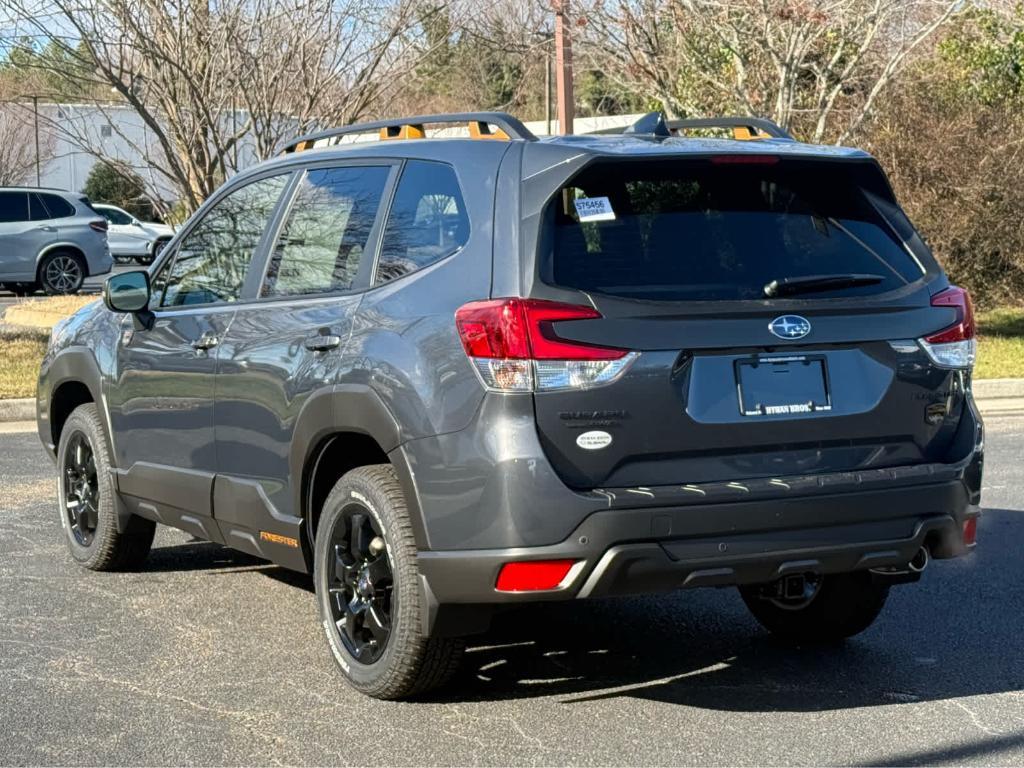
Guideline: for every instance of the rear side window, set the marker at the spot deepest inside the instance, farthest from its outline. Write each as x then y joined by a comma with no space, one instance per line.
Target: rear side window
698,230
212,260
36,210
58,207
323,241
13,206
427,221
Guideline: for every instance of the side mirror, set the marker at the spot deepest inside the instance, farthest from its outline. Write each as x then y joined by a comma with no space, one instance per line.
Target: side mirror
129,292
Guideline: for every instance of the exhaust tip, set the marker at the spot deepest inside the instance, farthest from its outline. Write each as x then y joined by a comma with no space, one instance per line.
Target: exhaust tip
920,560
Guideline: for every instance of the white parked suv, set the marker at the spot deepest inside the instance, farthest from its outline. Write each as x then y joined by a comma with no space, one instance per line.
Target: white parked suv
50,239
133,239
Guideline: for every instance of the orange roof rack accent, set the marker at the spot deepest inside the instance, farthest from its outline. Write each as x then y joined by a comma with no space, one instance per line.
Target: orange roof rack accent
406,131
505,127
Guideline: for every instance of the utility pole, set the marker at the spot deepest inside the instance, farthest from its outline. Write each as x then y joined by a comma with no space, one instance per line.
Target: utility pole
35,115
563,66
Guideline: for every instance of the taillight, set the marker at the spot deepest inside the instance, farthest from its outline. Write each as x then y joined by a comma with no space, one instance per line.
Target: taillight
533,576
970,531
100,225
514,347
954,346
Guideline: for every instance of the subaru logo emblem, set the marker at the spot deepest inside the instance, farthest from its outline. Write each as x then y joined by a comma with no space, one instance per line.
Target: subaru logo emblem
790,327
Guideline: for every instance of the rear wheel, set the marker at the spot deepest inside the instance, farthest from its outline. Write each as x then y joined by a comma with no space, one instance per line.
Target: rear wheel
827,608
367,587
62,272
87,504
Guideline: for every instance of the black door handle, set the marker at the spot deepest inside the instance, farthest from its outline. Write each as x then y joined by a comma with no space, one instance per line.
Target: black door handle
322,342
205,342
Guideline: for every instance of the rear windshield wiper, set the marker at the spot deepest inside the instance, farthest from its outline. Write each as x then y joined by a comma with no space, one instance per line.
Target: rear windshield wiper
788,286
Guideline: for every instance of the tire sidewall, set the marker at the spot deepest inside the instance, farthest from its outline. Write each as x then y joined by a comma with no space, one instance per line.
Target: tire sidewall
357,490
106,524
50,290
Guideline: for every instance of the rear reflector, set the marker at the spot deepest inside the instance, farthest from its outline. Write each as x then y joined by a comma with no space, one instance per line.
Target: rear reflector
970,531
514,347
954,346
533,576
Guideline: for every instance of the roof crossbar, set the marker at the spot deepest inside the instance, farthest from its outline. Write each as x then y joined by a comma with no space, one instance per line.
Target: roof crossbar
654,124
412,127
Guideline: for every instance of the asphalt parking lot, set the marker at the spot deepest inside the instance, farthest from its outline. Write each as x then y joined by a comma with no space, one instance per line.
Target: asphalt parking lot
213,657
92,285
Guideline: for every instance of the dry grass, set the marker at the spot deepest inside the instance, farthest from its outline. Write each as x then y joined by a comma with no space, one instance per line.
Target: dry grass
43,313
21,356
1000,344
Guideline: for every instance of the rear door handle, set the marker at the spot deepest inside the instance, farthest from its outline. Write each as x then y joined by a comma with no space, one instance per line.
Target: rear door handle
205,342
47,229
322,342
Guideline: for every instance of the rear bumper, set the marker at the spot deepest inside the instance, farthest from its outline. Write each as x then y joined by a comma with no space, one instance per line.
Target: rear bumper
630,551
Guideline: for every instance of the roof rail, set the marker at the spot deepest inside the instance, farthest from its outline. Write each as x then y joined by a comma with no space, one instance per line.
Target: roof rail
752,126
654,124
413,127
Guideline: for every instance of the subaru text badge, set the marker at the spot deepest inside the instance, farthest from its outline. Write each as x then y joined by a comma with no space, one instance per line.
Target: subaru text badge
790,327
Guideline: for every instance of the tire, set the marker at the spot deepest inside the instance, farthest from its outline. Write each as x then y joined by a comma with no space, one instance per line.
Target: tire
843,605
405,662
62,272
88,507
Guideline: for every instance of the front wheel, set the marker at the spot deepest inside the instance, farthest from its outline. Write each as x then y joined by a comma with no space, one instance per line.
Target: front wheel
367,587
828,608
88,507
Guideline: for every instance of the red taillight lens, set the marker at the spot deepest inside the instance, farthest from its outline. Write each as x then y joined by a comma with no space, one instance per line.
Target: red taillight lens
521,329
963,329
970,531
533,576
100,225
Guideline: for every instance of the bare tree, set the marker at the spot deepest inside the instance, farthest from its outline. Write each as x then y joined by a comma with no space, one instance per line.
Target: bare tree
818,65
18,145
209,83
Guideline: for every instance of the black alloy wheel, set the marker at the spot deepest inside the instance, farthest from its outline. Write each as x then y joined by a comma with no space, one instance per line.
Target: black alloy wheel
81,489
361,584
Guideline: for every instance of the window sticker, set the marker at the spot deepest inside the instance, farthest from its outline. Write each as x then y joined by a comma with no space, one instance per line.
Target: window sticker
594,209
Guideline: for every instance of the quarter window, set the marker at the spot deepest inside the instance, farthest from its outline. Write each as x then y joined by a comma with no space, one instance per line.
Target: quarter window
212,259
324,239
427,220
58,207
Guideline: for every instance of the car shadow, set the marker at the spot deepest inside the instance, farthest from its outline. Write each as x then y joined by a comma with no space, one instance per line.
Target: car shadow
701,648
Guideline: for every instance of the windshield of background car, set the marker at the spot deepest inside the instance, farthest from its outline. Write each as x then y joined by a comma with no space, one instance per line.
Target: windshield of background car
712,229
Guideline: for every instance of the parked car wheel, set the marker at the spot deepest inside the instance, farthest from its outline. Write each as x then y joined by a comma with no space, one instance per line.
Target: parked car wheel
62,272
368,590
832,607
87,502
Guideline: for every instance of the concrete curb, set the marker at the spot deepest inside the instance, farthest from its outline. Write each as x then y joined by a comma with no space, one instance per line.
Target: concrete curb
995,397
999,397
18,409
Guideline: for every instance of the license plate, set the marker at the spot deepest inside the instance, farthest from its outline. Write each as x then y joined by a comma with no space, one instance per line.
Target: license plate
778,386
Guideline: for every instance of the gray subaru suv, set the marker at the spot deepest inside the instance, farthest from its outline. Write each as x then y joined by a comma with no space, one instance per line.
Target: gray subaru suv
446,375
50,239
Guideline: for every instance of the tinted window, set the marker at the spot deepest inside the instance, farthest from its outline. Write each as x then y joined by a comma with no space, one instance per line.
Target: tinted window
698,230
211,261
58,207
114,216
427,220
36,210
13,206
324,239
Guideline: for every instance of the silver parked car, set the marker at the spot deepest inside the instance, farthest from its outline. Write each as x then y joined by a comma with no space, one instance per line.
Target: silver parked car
50,239
130,238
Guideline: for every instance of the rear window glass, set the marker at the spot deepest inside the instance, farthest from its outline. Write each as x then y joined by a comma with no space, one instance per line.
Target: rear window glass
697,230
58,207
